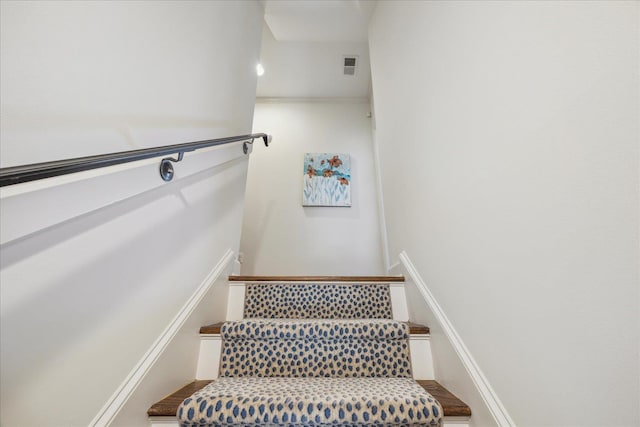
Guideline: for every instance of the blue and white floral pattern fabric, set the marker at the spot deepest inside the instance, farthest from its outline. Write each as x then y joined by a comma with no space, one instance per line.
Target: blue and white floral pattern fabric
315,348
317,301
317,402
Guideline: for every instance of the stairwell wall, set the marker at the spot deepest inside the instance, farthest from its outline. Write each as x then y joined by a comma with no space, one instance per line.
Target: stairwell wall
279,235
508,136
85,296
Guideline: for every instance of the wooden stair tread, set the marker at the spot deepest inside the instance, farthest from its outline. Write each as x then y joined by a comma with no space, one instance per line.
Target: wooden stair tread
211,329
414,328
451,405
368,279
168,406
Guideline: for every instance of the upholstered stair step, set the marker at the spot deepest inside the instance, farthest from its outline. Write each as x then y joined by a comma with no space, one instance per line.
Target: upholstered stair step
317,301
310,401
211,351
315,348
317,297
455,411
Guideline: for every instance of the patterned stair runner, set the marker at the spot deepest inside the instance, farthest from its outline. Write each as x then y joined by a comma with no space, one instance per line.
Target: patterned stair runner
317,301
315,348
313,355
311,402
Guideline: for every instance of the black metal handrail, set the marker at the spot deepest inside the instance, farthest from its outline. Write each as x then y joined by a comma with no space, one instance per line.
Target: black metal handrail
25,173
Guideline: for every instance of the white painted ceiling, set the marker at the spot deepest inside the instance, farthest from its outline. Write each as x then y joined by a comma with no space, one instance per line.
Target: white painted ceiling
319,20
303,47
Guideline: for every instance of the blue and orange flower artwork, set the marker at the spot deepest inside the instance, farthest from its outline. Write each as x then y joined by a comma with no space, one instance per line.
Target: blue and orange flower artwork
327,179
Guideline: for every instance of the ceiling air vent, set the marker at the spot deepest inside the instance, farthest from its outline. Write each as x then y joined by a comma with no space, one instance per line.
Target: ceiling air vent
349,65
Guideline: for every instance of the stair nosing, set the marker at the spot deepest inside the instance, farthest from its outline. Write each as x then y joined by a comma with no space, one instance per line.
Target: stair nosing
169,405
452,406
354,279
414,328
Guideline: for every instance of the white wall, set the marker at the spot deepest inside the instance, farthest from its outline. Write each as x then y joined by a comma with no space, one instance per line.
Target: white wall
279,236
175,366
319,20
448,368
100,76
311,69
86,291
509,155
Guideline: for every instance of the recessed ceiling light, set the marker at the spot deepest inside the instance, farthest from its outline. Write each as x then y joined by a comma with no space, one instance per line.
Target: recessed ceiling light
259,69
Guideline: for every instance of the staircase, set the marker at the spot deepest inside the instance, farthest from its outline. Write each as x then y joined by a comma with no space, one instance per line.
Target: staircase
313,351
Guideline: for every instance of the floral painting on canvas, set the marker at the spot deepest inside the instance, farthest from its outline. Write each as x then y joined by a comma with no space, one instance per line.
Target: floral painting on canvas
327,179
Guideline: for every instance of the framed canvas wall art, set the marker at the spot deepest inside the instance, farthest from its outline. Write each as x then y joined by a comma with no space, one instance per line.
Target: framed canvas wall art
327,179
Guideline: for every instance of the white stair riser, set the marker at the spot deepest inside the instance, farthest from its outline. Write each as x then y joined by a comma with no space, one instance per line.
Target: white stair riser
235,306
173,422
211,349
163,422
209,356
421,357
456,422
398,302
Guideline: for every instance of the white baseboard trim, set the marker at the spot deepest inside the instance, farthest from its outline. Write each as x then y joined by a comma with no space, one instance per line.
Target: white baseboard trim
489,396
382,221
393,269
117,401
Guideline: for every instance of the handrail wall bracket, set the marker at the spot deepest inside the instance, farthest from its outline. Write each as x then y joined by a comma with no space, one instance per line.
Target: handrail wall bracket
245,147
166,168
246,144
